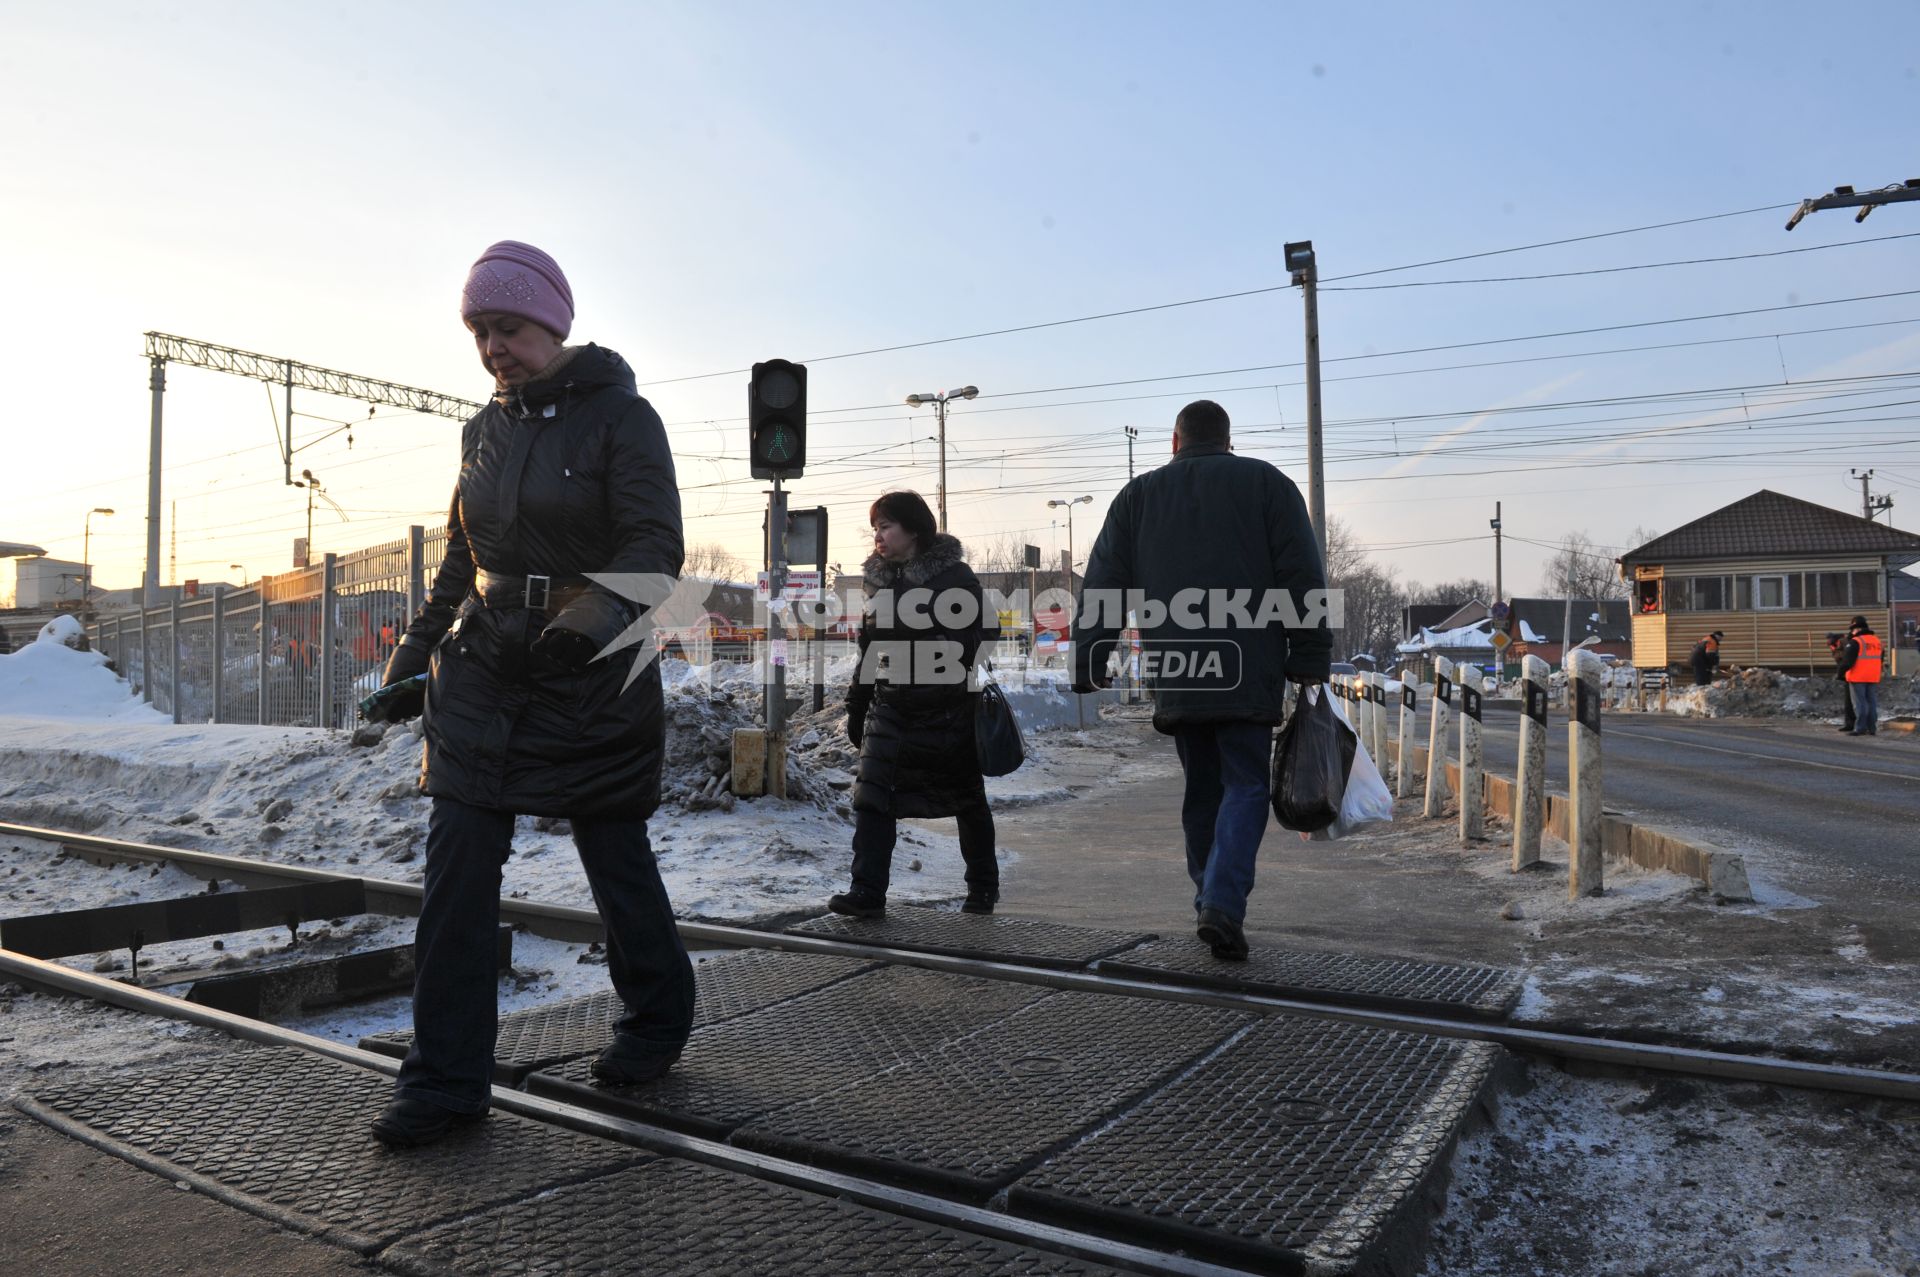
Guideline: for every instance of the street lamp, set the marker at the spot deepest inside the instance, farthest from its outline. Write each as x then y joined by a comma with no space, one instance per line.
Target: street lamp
939,403
86,553
313,487
241,568
1069,508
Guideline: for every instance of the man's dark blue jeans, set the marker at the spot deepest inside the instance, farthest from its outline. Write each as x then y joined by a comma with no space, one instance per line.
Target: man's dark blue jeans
1229,775
455,992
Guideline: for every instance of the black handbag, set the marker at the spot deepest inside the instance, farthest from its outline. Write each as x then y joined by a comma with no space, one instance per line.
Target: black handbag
996,732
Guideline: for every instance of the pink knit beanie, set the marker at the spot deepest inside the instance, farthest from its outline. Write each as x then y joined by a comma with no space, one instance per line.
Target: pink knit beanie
512,278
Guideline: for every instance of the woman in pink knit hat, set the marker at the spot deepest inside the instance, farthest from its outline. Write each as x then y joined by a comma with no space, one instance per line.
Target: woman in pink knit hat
532,705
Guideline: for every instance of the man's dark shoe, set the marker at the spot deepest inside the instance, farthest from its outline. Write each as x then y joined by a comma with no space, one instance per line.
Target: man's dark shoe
859,904
627,1064
1223,935
981,900
410,1122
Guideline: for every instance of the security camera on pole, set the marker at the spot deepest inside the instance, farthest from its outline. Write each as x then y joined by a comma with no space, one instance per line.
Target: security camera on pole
777,450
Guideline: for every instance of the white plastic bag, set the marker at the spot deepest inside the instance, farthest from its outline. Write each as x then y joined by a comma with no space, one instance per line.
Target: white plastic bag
1368,801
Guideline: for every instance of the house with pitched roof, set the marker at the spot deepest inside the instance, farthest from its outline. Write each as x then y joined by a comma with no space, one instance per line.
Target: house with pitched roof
1775,574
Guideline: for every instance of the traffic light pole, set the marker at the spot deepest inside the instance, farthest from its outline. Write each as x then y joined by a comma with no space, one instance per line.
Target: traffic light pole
776,685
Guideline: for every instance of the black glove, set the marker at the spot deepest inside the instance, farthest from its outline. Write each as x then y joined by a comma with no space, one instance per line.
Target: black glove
405,663
569,649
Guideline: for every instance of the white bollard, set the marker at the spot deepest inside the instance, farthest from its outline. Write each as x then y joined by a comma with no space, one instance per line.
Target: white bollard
1473,821
1530,786
1362,707
1379,692
1409,715
1584,875
1437,732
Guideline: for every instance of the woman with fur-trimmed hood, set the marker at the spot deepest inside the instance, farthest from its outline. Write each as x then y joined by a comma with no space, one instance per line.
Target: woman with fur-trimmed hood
910,711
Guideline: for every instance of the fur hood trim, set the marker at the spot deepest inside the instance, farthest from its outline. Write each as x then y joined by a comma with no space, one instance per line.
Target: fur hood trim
943,553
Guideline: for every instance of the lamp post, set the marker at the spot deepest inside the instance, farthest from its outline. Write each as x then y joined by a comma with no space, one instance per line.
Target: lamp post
1069,508
86,553
241,568
1306,273
939,403
314,488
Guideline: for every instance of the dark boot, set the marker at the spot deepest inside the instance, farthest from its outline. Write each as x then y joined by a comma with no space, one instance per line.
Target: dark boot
1223,935
981,900
857,902
628,1063
409,1122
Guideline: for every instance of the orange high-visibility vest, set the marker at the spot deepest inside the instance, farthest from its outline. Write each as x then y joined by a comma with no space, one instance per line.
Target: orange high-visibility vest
1866,667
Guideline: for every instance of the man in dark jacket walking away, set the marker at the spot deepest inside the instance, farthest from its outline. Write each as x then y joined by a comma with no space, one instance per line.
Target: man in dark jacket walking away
1706,659
1216,556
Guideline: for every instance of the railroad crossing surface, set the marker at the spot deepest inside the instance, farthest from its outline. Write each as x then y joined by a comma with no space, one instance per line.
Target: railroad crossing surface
839,1113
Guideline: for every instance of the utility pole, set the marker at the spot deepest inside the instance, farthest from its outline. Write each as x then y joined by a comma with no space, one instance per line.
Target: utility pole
1300,260
150,587
1132,434
939,402
1494,523
1870,505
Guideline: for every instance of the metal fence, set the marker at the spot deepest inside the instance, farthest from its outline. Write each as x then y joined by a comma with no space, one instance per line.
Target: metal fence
298,649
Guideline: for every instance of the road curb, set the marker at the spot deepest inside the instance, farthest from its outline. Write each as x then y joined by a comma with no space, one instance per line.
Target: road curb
1719,870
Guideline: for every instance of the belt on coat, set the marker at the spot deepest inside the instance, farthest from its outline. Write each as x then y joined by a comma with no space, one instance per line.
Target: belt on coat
533,591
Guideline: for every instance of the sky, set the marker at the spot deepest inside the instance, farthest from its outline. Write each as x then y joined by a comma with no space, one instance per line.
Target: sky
731,183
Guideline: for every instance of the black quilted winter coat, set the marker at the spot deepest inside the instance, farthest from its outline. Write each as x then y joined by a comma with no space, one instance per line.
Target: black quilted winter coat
917,757
564,476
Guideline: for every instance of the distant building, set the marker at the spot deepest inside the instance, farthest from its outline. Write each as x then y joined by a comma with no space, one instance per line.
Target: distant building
1775,575
48,583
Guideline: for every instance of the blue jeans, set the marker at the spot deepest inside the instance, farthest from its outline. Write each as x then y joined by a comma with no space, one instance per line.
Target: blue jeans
455,991
1229,774
1866,707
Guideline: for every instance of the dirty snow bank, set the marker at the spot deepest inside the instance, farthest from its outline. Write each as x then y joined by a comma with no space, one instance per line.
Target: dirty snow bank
51,678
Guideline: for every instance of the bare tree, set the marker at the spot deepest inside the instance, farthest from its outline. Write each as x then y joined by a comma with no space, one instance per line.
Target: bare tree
1579,570
1464,590
712,562
1369,597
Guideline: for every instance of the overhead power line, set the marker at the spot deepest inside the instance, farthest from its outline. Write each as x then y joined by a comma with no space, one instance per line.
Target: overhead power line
1217,297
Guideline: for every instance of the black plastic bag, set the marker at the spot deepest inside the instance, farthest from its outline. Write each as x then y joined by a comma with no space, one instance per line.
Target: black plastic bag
996,732
1310,763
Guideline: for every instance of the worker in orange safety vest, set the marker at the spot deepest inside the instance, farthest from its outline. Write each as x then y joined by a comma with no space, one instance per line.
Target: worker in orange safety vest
1859,660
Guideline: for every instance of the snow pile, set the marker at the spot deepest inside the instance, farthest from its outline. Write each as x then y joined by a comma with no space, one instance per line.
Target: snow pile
1764,693
52,678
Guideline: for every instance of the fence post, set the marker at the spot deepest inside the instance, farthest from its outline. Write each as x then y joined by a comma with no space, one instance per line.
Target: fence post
120,644
416,572
1530,787
1584,873
1437,732
266,648
173,656
219,651
1473,820
329,576
146,665
1409,714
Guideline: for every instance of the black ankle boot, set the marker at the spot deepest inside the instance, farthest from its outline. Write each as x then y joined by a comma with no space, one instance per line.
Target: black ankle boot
409,1122
981,900
857,902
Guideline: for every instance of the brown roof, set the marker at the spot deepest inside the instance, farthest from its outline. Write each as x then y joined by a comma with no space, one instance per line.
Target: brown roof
1772,525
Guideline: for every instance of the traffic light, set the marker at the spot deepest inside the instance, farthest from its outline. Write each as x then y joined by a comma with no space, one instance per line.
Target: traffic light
777,420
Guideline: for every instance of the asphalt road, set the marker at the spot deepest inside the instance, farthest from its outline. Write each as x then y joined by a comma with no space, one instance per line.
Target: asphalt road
1833,818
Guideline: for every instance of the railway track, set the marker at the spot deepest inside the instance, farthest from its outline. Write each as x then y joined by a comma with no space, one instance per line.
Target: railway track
876,1191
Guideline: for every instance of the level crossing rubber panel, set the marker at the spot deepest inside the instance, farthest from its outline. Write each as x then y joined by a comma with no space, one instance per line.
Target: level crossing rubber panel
793,1051
675,1219
964,1117
283,1134
1308,1145
1398,984
726,987
989,936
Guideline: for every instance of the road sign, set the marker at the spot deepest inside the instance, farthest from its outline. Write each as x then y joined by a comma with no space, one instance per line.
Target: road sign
1501,614
1500,640
803,586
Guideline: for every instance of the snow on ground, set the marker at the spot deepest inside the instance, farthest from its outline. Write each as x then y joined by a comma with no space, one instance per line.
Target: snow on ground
49,678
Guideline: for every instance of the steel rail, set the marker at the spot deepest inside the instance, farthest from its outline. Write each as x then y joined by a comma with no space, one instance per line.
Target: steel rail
568,923
924,1207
